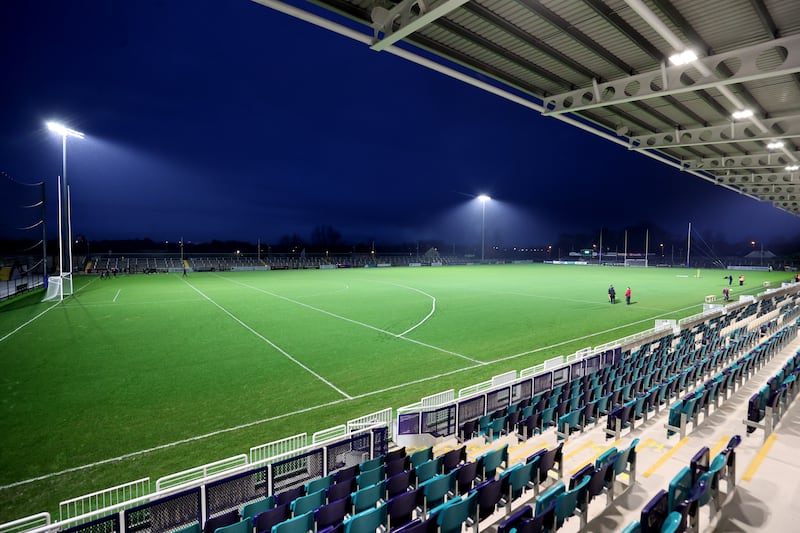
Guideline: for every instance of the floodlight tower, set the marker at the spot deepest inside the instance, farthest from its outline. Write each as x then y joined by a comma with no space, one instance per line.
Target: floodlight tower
65,132
483,198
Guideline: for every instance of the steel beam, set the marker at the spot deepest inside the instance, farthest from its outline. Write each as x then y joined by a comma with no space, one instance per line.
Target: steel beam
756,62
777,128
405,18
776,160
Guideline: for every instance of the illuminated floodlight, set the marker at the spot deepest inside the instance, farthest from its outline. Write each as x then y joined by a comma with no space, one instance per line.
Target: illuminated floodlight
63,130
484,198
683,58
792,168
742,113
775,145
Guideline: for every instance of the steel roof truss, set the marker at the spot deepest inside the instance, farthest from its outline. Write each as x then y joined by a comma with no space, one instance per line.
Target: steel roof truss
777,128
405,18
742,162
756,62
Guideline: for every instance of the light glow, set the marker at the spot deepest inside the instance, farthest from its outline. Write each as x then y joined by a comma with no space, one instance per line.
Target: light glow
742,113
63,130
792,168
484,198
683,58
775,145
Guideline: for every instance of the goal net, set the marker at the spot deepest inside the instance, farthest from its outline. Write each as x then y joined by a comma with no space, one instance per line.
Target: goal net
58,287
635,262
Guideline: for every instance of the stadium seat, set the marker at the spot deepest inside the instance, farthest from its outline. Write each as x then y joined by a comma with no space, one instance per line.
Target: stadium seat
222,520
254,508
299,524
366,521
402,507
332,513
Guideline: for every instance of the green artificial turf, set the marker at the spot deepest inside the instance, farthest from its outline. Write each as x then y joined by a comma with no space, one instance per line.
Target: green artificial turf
148,375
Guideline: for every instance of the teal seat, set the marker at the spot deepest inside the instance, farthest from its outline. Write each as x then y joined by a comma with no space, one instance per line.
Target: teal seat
369,464
549,497
496,427
571,502
492,461
436,489
371,477
305,504
420,456
672,523
299,524
547,417
319,484
526,412
483,424
567,423
368,497
520,478
254,508
428,469
243,526
452,516
679,488
366,521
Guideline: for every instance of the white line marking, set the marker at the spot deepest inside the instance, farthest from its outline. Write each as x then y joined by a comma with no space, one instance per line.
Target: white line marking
116,295
433,308
169,445
279,349
301,411
352,321
7,335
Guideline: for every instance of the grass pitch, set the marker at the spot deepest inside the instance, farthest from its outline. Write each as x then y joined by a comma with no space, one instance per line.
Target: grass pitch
139,376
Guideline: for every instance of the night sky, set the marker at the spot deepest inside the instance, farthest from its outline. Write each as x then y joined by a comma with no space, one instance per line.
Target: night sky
210,119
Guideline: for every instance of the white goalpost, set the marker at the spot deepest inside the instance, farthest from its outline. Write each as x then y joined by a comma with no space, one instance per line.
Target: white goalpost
58,287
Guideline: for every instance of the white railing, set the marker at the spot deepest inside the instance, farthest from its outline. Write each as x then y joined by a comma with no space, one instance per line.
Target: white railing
473,389
103,498
279,447
193,475
385,416
330,433
25,524
438,399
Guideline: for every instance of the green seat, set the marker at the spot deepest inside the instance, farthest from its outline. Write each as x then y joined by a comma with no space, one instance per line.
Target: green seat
369,464
371,477
299,524
242,526
366,521
549,497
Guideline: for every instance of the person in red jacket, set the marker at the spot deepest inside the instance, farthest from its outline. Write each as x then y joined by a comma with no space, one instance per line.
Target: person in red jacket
628,296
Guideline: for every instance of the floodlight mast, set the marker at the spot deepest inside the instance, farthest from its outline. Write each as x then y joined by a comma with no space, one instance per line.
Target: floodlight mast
65,132
483,198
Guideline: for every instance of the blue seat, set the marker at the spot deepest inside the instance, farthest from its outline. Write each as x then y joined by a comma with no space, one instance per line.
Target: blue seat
453,458
513,520
549,497
674,523
679,487
633,527
289,495
655,513
399,483
548,461
341,489
465,476
488,494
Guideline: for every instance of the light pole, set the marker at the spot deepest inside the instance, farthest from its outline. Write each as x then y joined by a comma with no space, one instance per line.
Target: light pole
64,205
483,198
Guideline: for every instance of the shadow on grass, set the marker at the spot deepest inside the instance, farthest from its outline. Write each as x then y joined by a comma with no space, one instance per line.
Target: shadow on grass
26,299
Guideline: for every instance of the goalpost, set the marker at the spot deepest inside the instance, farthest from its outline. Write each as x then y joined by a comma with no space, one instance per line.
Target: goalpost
58,287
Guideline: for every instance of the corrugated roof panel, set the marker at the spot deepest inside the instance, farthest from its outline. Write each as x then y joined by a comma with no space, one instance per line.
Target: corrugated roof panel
777,95
734,26
786,15
522,17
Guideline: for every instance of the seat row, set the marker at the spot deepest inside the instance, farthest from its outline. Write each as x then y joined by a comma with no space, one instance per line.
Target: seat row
697,485
767,406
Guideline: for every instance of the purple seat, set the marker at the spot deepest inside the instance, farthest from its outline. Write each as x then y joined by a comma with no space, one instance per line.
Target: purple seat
465,475
401,508
654,513
263,522
399,483
489,494
339,490
288,496
515,519
453,458
225,519
332,513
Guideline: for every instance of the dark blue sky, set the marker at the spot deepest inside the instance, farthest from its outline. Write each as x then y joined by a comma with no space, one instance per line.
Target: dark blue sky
227,120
